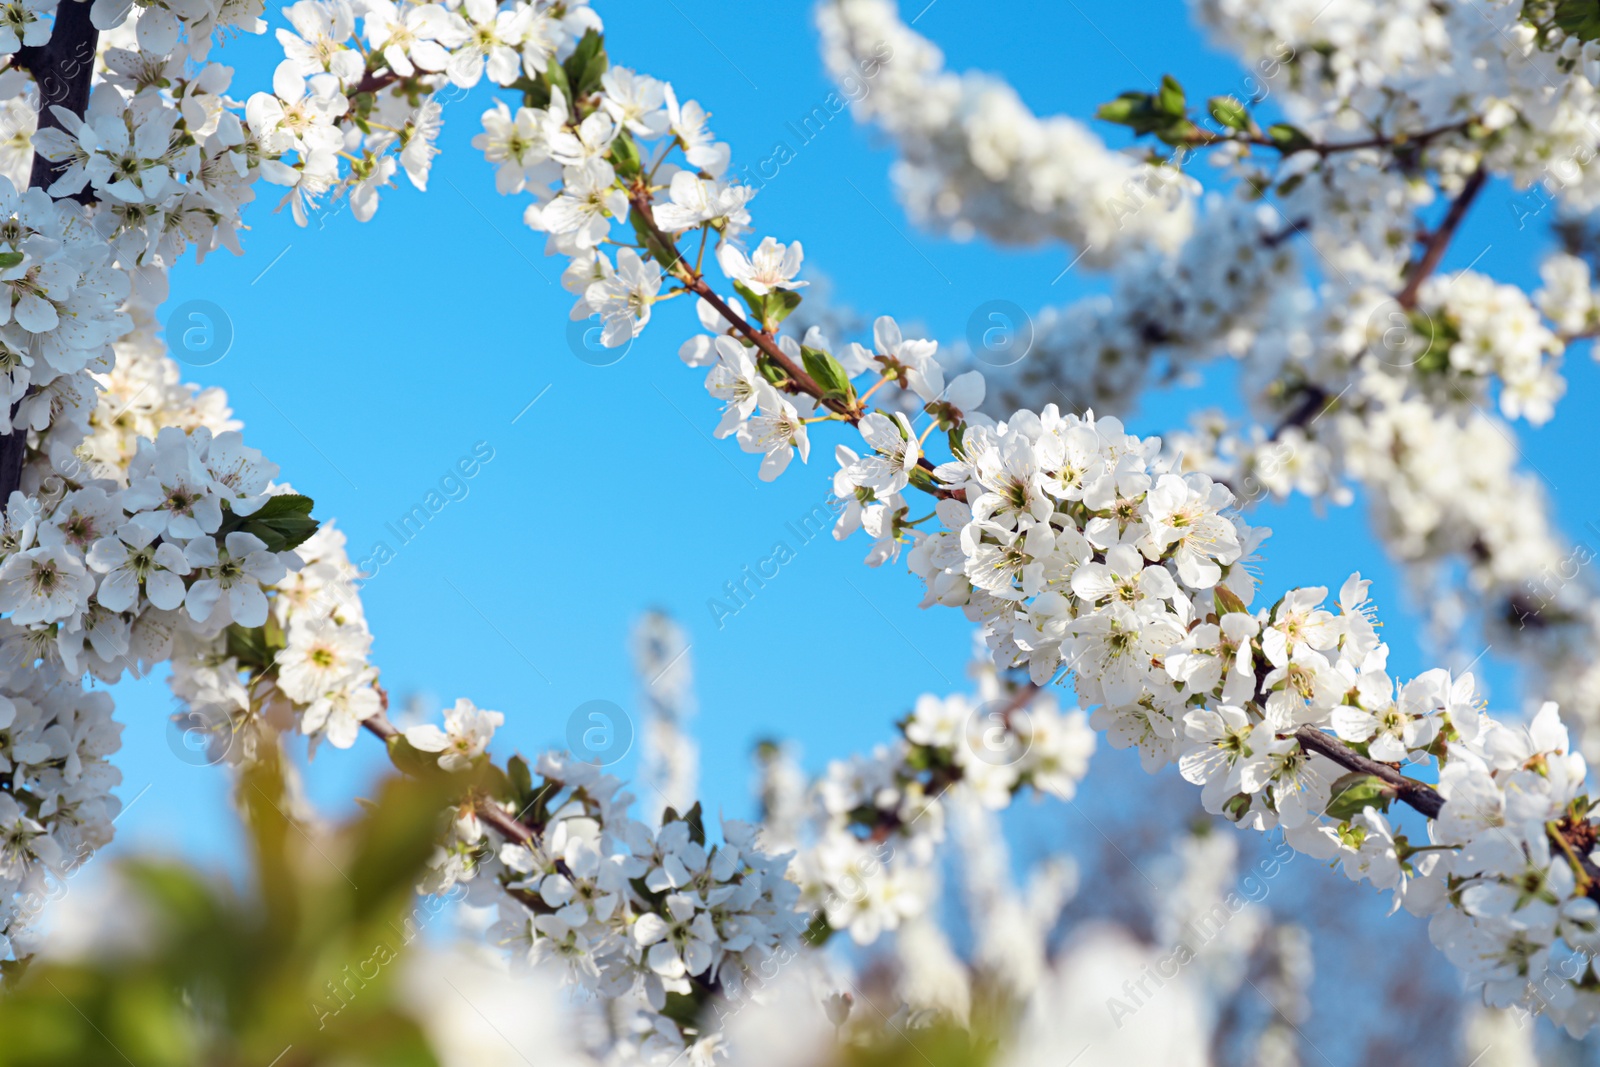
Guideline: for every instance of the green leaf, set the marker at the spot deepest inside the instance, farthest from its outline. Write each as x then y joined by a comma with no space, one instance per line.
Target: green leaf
779,304
625,156
412,761
1287,139
1123,109
586,64
829,374
756,304
1230,112
1436,337
256,647
535,91
1138,111
393,841
922,478
770,370
283,522
683,1009
1178,132
818,931
1227,600
521,778
1578,18
1355,792
957,438
556,77
1170,97
697,825
10,259
664,253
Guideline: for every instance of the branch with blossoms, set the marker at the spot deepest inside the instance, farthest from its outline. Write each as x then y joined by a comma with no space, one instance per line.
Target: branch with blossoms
1081,551
1387,384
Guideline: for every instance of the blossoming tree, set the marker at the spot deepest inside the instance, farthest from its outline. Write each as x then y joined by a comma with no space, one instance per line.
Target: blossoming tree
1099,567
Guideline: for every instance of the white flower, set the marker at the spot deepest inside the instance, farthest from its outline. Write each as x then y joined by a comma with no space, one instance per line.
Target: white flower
169,489
44,585
736,381
1125,579
771,266
894,454
588,202
520,146
21,25
688,124
24,843
634,101
419,37
339,712
778,432
466,735
230,578
937,722
1222,757
623,298
924,375
1184,512
1378,859
129,560
319,656
493,37
696,201
683,943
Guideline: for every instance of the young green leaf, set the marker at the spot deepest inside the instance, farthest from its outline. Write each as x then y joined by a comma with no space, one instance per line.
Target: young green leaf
1170,97
1288,139
1230,112
780,302
1355,792
829,374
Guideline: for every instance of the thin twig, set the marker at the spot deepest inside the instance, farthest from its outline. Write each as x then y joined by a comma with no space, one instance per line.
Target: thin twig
694,281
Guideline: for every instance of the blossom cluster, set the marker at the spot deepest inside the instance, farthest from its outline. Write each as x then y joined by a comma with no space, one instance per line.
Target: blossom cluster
357,97
974,159
1082,549
873,822
1351,374
625,910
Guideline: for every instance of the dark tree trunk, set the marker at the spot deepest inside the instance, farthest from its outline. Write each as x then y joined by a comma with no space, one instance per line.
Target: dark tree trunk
62,68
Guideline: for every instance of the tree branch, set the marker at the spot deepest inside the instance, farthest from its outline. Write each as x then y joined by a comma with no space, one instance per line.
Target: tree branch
1440,240
61,69
1397,141
384,730
1418,795
1569,839
694,281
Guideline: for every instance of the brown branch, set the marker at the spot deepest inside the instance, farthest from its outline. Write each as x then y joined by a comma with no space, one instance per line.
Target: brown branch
1304,413
1565,834
61,69
1418,795
1440,239
1397,140
384,730
694,281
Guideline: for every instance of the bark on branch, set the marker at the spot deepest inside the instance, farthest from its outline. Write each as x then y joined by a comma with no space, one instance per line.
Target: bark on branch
62,68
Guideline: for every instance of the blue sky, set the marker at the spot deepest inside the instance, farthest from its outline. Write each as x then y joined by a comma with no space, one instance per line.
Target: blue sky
367,359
